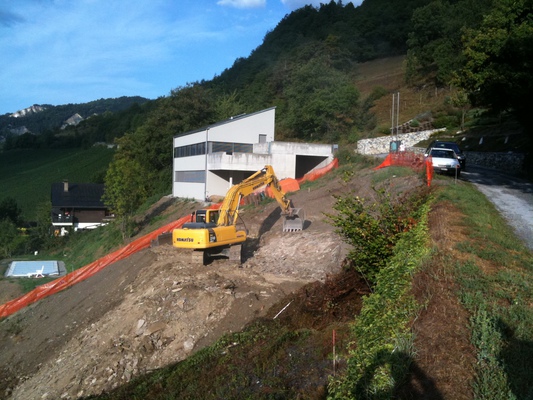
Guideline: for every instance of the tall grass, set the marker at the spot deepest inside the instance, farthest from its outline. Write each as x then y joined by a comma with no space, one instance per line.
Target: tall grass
495,284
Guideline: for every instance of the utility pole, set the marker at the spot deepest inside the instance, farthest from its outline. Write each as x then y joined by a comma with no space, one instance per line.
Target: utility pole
395,115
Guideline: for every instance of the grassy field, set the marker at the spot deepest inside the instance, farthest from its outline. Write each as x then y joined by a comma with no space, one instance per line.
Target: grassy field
27,175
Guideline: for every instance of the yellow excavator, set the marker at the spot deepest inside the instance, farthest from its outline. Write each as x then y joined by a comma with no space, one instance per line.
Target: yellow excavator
213,232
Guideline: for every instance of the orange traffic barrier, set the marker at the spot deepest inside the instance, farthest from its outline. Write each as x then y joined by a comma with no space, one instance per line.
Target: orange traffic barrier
429,170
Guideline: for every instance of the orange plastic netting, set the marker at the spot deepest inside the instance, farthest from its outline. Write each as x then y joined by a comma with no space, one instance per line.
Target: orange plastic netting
87,271
409,159
315,174
143,242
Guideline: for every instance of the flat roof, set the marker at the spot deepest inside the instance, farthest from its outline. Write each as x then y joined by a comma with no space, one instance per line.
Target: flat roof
29,269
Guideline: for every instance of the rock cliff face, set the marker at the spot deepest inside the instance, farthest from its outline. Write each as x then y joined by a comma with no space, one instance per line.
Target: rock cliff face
72,121
30,110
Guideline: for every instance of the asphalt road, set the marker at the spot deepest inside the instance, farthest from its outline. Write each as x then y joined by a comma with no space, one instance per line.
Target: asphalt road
512,196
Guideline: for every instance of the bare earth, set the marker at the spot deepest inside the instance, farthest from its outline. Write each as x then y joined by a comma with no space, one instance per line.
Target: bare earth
156,308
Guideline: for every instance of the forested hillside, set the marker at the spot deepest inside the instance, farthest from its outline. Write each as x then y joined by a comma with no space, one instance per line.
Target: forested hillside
105,119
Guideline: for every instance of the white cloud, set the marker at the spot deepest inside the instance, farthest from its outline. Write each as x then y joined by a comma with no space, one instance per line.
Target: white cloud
242,3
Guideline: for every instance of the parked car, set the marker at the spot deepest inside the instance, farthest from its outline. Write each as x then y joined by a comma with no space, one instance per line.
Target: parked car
449,145
445,161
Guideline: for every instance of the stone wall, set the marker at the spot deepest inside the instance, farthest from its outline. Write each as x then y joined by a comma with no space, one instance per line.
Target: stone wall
511,162
381,145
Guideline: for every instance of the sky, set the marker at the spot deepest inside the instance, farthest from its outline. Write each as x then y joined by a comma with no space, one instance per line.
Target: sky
75,51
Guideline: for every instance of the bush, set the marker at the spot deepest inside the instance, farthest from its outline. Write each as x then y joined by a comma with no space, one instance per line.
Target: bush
372,229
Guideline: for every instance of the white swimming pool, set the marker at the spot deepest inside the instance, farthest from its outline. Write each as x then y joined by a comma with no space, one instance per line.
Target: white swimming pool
35,268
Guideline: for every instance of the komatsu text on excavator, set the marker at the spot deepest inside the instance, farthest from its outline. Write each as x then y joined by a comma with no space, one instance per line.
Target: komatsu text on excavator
213,232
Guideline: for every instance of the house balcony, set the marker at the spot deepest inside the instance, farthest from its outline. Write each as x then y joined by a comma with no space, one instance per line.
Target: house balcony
62,220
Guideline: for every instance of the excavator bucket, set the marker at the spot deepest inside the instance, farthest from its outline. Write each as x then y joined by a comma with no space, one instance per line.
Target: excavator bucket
294,221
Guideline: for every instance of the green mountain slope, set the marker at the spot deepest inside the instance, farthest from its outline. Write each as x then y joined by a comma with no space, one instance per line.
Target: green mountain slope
27,175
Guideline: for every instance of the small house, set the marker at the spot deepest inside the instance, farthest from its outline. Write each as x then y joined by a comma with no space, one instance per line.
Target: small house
78,206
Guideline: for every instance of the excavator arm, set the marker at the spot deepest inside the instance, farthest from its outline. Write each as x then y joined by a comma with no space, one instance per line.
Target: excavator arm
229,210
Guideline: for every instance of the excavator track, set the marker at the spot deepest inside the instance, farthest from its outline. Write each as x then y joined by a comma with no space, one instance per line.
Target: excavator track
235,253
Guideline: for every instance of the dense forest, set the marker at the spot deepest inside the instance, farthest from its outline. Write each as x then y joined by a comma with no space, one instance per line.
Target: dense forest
307,67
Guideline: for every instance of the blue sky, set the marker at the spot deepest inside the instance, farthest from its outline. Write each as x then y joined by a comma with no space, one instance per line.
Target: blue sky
75,51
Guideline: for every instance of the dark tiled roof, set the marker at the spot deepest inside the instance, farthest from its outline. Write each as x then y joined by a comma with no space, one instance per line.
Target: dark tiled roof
79,195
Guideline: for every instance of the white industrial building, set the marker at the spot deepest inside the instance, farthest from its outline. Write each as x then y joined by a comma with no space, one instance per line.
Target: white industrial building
236,148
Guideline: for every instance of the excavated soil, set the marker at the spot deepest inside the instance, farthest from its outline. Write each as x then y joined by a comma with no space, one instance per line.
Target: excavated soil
156,308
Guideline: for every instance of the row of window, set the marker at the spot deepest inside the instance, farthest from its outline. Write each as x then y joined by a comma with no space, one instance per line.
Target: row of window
189,150
214,147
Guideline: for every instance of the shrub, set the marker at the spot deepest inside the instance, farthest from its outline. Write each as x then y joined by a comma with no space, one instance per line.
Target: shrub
372,228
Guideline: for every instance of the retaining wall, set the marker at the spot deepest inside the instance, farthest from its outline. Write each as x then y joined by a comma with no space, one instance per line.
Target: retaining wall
381,145
511,162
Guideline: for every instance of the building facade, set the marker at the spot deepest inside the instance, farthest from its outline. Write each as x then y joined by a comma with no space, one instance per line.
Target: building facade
208,161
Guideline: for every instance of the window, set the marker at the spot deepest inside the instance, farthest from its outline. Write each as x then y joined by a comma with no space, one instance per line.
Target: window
189,150
189,176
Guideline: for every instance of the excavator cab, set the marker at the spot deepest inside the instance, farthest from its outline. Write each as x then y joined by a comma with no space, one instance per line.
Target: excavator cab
201,219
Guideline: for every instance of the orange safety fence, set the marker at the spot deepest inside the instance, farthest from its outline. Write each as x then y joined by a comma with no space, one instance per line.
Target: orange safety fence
409,159
293,185
287,185
64,282
320,172
87,271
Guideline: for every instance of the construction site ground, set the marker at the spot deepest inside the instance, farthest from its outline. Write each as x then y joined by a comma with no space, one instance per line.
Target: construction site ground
156,307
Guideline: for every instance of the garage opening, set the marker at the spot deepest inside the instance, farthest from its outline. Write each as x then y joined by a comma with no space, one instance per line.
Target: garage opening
305,164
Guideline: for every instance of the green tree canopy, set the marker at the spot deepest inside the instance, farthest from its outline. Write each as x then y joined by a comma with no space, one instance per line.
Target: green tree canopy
10,210
499,59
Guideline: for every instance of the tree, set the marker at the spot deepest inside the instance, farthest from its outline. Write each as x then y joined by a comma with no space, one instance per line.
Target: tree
499,60
435,37
321,101
126,188
459,99
8,237
10,210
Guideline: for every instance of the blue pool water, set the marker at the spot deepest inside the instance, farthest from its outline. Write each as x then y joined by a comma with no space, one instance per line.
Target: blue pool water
27,268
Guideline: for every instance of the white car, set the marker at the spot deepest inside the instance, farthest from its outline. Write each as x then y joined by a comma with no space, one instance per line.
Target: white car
445,161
